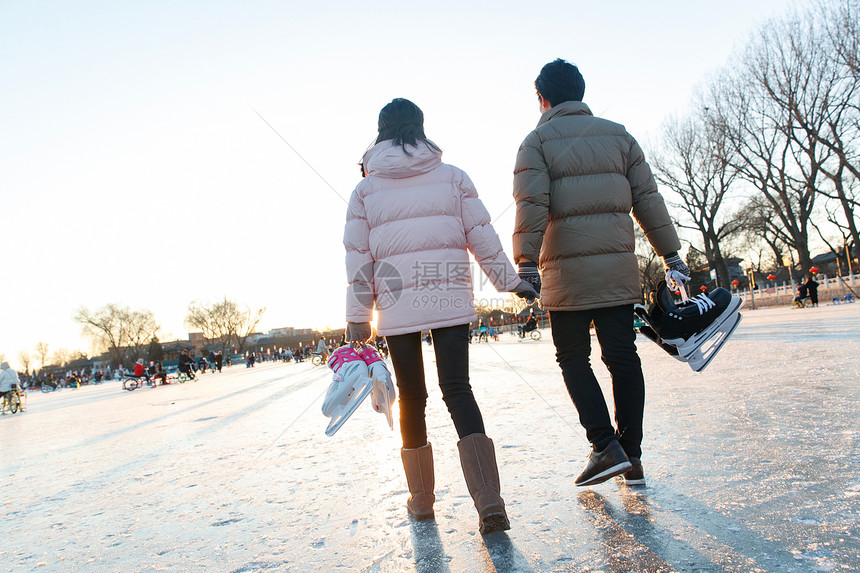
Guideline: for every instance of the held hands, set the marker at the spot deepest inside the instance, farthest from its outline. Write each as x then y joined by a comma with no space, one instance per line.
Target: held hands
357,331
529,287
677,272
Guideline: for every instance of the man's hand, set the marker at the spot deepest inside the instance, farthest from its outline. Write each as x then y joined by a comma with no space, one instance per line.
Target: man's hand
528,271
677,272
357,331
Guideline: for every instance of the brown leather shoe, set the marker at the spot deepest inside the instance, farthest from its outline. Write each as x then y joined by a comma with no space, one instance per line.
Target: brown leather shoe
602,465
636,476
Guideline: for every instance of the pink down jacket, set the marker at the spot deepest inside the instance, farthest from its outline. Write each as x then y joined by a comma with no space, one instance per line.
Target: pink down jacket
409,226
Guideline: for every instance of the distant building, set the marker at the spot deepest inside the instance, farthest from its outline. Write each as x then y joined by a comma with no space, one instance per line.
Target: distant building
282,332
197,340
254,337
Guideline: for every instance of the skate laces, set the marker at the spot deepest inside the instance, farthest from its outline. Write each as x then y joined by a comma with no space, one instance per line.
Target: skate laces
703,303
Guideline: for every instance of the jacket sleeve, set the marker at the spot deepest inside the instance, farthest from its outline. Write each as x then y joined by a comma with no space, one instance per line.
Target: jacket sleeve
531,193
649,209
482,239
359,262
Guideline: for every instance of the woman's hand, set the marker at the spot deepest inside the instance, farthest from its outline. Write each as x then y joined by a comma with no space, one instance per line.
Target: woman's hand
526,290
357,331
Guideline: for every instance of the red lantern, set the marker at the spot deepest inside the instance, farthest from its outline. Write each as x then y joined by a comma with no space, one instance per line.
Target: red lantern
771,277
703,288
735,283
813,270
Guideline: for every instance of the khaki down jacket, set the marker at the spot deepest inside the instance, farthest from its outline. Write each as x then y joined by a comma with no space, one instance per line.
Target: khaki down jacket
576,180
410,227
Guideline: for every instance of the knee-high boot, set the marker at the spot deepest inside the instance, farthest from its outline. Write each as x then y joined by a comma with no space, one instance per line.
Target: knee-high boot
478,459
418,465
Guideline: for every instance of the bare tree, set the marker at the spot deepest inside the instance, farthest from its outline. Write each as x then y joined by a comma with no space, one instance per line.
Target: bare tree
514,304
837,33
224,322
842,20
42,353
821,96
761,225
123,332
760,132
62,357
142,328
24,360
696,164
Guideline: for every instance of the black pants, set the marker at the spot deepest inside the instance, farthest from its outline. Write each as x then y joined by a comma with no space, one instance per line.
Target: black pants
614,328
452,364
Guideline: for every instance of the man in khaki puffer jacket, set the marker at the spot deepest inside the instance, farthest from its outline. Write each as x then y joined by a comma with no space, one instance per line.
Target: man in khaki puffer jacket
576,180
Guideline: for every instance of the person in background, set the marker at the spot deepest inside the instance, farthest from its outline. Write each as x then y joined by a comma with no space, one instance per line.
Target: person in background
802,293
156,370
8,379
531,324
140,370
322,350
185,364
812,288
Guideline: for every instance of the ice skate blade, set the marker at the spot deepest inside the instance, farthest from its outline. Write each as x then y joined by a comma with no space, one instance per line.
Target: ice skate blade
342,413
699,359
383,398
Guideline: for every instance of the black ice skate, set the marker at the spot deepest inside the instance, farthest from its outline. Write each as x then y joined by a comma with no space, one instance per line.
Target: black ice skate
695,330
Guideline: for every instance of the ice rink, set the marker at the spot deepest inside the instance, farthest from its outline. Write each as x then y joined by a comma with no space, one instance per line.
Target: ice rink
752,465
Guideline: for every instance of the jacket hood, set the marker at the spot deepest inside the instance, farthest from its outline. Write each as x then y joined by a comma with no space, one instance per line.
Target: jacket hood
388,160
565,108
4,366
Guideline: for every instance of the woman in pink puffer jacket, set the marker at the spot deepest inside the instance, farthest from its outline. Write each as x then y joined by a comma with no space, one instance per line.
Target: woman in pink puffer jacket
411,223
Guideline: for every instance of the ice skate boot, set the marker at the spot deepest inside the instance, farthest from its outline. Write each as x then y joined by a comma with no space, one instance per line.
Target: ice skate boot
383,394
350,385
696,329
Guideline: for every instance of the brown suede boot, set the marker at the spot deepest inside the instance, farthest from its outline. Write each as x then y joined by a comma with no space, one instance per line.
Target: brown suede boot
418,465
478,459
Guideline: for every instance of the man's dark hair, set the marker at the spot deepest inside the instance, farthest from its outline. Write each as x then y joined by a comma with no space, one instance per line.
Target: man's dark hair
560,81
403,121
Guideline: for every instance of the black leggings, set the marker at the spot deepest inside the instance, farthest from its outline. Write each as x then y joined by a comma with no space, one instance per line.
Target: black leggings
451,345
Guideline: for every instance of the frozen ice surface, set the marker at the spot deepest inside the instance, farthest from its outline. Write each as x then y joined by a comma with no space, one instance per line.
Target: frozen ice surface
752,465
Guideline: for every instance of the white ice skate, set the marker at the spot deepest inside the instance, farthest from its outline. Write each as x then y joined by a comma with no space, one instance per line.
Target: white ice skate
351,384
695,330
383,394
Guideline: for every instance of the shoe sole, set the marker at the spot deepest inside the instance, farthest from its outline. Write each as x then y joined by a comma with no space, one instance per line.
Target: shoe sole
634,481
493,523
615,470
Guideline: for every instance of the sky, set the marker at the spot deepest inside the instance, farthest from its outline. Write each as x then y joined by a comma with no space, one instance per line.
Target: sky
154,154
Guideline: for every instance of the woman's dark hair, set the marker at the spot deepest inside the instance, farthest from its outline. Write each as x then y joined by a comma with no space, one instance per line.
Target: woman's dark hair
560,81
403,122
